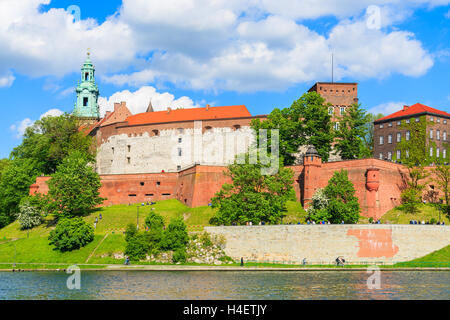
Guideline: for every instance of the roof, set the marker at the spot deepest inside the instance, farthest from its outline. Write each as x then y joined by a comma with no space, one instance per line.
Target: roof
417,108
208,113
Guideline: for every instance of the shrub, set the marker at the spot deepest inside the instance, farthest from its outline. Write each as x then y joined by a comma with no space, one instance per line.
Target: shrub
179,255
137,246
411,199
130,231
30,213
71,234
433,221
205,239
175,236
154,221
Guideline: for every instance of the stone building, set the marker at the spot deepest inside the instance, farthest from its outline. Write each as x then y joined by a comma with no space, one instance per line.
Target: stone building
389,131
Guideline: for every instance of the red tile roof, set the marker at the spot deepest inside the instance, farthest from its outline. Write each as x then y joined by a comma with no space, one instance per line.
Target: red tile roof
189,115
412,110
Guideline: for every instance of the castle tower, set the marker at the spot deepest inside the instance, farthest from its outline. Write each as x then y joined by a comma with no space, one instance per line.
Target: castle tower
86,107
312,163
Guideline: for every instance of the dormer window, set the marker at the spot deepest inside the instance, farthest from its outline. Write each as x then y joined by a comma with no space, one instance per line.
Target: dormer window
85,101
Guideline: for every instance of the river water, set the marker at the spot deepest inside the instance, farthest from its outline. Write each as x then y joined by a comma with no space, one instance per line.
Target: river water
226,285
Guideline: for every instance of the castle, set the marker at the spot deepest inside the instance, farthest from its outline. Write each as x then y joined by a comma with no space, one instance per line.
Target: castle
183,153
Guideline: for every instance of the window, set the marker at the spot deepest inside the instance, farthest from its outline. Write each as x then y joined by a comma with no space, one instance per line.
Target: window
180,140
128,160
237,127
398,154
389,155
178,168
381,139
407,120
85,101
437,152
399,137
180,130
132,195
158,183
112,150
438,120
431,133
438,134
381,156
342,110
444,136
336,126
330,110
407,153
155,132
381,126
399,123
141,183
390,124
86,76
445,121
408,134
129,148
431,119
149,194
417,119
431,151
166,194
208,129
390,138
180,152
444,153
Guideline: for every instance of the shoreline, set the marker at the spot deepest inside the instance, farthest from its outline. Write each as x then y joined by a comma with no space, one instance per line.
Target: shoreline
217,268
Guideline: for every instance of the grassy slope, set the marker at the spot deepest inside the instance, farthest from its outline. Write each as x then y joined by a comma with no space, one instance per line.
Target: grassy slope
439,258
426,213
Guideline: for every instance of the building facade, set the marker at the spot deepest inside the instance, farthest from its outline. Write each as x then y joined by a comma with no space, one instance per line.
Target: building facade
390,130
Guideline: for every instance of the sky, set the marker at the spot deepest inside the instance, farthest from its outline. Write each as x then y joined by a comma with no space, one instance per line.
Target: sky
188,53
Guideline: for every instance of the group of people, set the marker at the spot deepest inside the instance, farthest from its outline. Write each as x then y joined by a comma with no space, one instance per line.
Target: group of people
96,220
423,222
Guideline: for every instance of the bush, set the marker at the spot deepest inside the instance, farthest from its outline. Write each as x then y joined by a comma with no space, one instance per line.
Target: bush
433,221
175,236
30,213
130,231
71,234
411,199
205,239
137,246
179,255
154,221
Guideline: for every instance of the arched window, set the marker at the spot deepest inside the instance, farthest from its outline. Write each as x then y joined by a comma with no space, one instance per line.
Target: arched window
155,132
208,129
180,130
237,127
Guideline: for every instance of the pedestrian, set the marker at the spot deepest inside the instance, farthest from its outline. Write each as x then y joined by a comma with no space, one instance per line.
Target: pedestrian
100,216
95,225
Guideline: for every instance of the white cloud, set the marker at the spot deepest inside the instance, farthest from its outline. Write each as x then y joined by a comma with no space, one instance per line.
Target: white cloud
7,80
387,108
241,45
138,100
20,127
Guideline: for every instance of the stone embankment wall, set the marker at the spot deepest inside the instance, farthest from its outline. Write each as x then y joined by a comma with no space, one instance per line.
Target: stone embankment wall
322,244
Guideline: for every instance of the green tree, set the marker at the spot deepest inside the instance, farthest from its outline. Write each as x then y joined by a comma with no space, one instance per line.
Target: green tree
71,234
15,185
369,138
74,187
352,132
175,236
49,140
3,164
31,212
305,122
252,196
442,174
415,156
341,203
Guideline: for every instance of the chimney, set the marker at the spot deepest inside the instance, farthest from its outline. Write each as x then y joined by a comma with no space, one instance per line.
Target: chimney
405,108
123,104
116,106
207,107
169,109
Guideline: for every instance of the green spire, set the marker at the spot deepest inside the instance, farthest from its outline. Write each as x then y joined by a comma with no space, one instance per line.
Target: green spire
87,92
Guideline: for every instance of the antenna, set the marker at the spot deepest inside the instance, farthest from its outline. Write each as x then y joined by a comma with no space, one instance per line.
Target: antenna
332,67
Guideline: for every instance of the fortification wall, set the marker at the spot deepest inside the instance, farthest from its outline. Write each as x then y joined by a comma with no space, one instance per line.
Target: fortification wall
322,244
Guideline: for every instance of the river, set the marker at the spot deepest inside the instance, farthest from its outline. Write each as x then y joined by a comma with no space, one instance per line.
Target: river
225,285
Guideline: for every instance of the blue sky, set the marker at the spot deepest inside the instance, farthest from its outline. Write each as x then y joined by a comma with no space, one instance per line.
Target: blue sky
263,54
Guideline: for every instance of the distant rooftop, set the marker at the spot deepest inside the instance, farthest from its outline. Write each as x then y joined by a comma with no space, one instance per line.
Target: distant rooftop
192,114
415,109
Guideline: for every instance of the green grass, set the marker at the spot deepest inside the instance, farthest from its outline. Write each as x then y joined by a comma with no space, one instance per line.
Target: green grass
114,243
426,213
438,258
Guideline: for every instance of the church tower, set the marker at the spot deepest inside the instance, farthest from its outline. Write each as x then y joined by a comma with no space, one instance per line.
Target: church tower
86,107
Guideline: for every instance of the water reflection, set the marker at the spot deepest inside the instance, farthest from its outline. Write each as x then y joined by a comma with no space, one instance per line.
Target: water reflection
225,285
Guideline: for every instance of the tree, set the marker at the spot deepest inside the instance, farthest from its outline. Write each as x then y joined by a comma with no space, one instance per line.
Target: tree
341,204
49,140
74,187
442,174
415,156
30,212
369,138
253,196
175,237
3,165
305,122
71,234
15,185
351,134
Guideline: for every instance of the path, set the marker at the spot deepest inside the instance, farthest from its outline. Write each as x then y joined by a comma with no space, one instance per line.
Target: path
93,251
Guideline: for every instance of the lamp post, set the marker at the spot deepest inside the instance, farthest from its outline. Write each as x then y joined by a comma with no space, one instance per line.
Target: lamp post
137,218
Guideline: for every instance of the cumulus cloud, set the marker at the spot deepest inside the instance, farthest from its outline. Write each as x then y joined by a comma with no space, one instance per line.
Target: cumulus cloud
387,108
240,45
20,127
139,100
